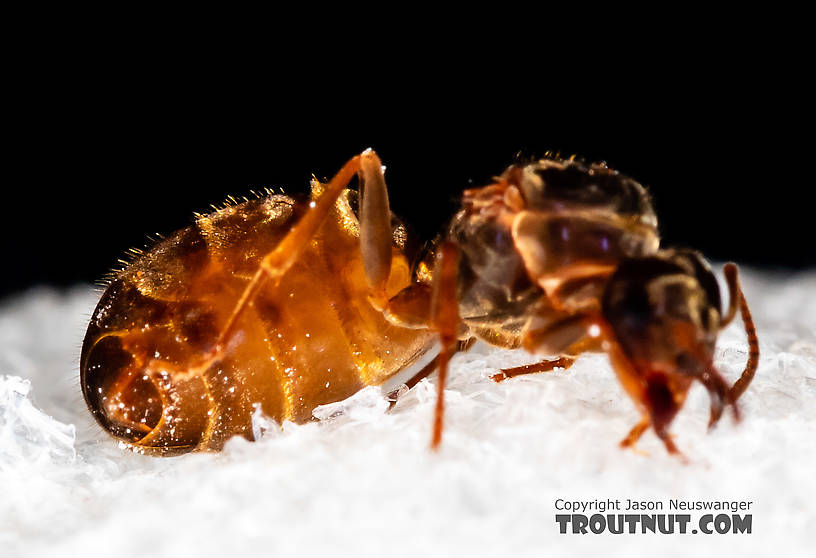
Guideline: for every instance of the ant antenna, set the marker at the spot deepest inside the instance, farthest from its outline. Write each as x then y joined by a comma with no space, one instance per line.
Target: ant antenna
738,299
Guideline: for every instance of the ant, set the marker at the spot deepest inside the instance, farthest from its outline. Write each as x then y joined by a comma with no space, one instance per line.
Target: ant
288,303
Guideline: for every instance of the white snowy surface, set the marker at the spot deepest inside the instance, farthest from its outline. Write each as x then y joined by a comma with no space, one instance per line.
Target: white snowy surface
364,483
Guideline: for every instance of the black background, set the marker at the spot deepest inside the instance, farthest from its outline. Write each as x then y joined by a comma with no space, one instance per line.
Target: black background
109,159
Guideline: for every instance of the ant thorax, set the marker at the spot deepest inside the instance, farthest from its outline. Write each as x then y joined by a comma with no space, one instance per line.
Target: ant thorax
553,227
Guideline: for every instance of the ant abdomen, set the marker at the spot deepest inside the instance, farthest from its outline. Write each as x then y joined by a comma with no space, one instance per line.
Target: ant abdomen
155,372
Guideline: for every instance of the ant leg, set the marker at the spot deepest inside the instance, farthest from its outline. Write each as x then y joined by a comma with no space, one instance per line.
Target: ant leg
636,432
552,332
543,366
445,319
375,223
737,298
567,359
275,264
668,442
288,250
427,370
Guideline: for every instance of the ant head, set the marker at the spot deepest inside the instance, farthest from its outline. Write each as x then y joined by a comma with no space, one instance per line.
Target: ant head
664,307
664,314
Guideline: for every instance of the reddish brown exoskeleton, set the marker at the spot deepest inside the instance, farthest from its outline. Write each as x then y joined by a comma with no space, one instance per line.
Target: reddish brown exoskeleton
288,304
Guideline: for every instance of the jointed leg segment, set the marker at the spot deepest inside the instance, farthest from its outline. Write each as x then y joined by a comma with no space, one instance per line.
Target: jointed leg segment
445,319
374,201
426,371
375,223
636,432
543,366
566,337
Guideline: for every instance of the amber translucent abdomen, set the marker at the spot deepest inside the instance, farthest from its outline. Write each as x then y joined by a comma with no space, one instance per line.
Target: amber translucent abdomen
312,339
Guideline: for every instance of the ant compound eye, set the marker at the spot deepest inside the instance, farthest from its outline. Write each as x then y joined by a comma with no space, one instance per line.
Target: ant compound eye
704,276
